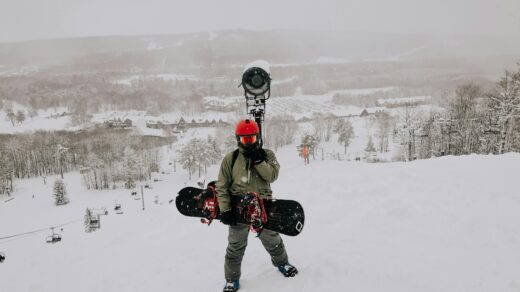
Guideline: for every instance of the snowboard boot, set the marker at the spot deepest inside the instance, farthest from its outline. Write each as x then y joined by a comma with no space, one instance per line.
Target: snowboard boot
288,270
231,286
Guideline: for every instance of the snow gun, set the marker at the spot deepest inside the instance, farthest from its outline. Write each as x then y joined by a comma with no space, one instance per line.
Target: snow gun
256,81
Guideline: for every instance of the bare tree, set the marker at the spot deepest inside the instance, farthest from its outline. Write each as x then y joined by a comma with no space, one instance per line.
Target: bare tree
10,115
319,127
280,131
384,126
408,120
464,116
20,116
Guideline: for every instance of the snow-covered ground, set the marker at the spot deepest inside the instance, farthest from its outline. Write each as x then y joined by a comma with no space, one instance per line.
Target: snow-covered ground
445,224
52,119
166,77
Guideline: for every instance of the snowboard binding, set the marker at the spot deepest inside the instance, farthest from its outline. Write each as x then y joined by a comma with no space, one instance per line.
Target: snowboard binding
208,203
251,208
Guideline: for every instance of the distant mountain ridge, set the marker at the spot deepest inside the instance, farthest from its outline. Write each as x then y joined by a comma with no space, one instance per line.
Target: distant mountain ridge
234,47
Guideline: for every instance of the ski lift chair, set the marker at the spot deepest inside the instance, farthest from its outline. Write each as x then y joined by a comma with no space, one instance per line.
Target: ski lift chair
54,237
2,257
95,223
118,208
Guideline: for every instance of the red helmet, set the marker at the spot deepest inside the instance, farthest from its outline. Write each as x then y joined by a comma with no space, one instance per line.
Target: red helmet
247,128
247,132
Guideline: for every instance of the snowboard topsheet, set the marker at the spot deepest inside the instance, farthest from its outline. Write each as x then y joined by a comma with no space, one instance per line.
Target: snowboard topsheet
283,216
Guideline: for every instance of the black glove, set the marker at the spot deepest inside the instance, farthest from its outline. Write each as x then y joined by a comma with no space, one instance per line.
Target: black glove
228,218
256,154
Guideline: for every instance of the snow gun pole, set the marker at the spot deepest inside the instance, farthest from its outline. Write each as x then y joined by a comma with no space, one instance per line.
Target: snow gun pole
142,196
256,82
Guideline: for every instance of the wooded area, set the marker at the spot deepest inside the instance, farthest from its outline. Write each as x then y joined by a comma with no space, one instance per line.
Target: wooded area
103,156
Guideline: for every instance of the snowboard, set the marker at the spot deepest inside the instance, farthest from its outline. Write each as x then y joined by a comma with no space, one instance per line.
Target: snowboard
282,216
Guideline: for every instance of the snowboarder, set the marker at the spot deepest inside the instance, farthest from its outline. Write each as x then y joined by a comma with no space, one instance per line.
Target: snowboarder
248,169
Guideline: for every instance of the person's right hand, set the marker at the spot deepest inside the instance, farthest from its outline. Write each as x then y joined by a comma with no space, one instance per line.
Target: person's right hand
256,154
228,218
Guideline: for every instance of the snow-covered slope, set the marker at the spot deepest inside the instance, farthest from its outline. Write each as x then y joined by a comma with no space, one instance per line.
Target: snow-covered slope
446,224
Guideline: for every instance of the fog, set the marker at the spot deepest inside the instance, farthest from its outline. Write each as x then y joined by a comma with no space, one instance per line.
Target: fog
33,19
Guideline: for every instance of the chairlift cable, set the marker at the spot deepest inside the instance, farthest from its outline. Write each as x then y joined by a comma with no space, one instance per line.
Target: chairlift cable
39,230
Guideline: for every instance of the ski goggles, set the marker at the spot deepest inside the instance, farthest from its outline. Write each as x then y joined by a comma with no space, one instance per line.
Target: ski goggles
246,140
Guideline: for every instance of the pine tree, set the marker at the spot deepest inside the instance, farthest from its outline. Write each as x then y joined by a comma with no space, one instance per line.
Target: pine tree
60,193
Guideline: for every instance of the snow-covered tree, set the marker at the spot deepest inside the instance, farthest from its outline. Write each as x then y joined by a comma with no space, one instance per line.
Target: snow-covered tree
10,115
370,146
60,193
130,183
20,116
408,121
504,104
384,126
198,154
6,172
214,149
279,131
345,132
187,157
312,144
464,116
225,137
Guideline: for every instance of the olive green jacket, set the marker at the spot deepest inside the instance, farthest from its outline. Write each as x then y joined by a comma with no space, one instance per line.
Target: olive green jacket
239,180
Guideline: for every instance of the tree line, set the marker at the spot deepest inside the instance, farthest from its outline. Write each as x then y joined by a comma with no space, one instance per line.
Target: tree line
474,120
103,156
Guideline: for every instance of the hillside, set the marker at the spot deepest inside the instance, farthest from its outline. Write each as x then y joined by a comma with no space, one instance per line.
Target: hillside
446,224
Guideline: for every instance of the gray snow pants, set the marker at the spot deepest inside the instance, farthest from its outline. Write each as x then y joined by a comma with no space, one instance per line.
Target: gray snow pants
237,242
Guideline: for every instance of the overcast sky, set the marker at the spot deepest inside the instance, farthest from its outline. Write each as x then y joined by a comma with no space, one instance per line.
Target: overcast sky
37,19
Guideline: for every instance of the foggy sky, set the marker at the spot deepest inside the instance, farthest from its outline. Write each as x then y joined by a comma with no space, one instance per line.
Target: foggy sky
37,19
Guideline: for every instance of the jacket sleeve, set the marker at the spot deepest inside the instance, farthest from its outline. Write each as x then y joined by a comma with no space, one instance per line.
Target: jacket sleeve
268,169
225,177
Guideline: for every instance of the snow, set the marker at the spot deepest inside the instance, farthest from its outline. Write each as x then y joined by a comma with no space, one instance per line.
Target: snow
49,119
363,91
445,224
286,80
401,100
222,101
262,64
167,77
